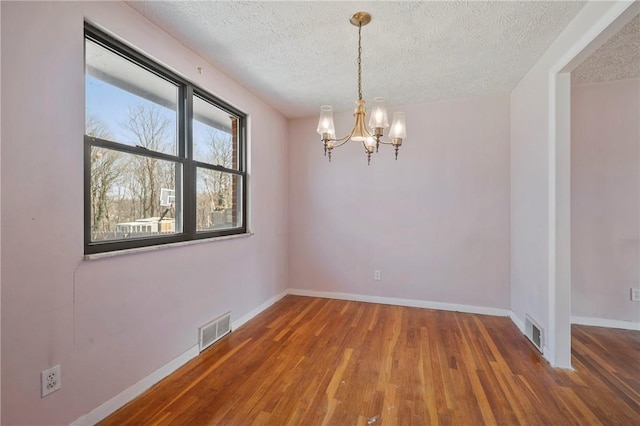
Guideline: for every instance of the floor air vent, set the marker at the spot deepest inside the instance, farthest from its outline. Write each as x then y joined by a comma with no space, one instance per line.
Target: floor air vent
534,332
214,330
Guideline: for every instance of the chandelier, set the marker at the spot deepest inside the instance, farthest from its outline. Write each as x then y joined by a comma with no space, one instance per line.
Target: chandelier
370,139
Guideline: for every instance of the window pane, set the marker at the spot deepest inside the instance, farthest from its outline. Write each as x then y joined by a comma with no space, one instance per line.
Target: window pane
215,135
132,196
218,200
126,103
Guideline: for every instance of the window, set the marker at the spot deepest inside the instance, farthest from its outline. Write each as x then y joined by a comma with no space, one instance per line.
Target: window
164,160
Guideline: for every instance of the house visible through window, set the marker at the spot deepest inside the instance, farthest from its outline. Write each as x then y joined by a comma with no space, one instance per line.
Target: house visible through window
164,160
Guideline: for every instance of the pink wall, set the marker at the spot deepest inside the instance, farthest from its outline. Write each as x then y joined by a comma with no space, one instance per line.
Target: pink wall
536,207
441,223
529,200
435,222
108,322
605,209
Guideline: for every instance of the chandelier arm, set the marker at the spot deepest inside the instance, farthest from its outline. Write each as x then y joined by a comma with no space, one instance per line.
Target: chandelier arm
366,133
389,141
338,145
345,139
342,141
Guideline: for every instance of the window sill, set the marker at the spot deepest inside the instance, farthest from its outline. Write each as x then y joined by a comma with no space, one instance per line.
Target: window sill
163,246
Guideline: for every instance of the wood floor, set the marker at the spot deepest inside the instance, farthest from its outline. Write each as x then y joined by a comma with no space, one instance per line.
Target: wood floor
309,361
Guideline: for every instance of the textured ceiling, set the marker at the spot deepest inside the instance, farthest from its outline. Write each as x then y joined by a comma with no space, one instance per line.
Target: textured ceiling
300,55
617,59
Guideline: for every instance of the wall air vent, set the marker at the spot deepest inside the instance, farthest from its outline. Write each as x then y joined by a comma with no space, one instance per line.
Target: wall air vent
214,330
534,332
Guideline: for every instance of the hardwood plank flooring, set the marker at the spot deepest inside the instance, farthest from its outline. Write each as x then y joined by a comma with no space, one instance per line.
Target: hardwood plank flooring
310,361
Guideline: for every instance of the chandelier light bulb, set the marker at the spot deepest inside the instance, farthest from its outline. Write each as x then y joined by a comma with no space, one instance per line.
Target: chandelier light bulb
370,142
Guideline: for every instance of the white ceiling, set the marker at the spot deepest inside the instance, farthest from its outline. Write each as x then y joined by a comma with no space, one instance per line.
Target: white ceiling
300,55
617,59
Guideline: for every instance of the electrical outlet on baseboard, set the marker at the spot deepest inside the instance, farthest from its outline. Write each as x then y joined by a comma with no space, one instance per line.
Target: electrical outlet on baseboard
635,294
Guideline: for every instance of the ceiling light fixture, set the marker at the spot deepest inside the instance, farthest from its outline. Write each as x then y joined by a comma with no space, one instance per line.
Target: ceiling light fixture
378,121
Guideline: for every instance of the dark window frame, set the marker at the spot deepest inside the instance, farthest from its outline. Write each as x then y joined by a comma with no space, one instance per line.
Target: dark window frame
184,156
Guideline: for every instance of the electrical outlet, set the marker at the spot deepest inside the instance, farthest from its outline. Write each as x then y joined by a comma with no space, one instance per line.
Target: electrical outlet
51,380
635,294
377,275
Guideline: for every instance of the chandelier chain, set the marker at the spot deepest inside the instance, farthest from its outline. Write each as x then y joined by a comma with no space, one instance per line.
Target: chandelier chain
360,61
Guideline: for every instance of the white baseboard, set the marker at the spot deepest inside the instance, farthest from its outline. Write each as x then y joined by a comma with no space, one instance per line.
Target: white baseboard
103,411
128,395
471,309
245,318
602,322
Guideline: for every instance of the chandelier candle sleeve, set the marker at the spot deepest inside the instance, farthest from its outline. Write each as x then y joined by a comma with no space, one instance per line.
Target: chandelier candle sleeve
378,121
398,131
379,118
398,128
325,124
370,137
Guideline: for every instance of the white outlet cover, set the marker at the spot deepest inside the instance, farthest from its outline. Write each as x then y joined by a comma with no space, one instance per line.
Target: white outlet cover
635,294
51,380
